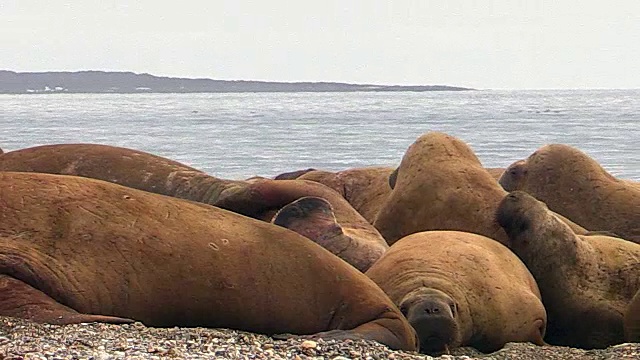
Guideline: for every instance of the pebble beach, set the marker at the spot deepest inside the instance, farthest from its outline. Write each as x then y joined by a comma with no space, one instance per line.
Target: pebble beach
20,339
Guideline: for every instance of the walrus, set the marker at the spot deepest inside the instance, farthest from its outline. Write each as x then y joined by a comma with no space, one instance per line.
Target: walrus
574,185
128,167
365,188
632,320
324,216
292,175
461,289
441,185
586,282
75,249
496,173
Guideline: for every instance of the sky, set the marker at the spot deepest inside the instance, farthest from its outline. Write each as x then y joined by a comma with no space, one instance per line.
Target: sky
516,44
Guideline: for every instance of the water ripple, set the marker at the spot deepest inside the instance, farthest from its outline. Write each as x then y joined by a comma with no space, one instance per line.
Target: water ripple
241,135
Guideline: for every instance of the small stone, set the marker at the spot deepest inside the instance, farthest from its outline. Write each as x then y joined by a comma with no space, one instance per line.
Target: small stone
309,344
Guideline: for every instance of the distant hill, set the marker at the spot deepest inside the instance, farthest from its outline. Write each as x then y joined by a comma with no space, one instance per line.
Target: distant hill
127,82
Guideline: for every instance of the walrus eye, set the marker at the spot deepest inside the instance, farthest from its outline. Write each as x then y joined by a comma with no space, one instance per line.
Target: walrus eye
403,310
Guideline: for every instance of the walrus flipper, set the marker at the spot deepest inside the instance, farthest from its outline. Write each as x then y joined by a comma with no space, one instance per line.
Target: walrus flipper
369,331
20,300
310,216
313,217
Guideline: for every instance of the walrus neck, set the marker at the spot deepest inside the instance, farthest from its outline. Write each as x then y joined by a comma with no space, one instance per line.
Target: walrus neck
551,249
190,185
200,187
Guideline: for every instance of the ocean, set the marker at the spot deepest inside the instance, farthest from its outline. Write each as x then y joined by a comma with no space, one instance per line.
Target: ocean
239,135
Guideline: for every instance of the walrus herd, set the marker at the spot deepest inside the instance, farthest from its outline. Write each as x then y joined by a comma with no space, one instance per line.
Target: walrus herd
436,253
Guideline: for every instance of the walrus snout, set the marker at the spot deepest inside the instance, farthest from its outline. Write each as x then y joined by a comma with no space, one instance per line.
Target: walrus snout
509,213
434,320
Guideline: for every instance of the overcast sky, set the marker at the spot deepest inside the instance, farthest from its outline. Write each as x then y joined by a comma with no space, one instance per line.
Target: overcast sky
511,44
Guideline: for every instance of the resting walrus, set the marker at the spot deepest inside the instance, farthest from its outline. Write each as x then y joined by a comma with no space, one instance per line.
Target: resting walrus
366,188
586,282
441,185
315,211
461,289
74,250
128,167
574,185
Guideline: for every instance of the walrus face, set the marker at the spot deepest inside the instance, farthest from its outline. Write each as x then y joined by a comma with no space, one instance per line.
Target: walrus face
518,211
433,314
513,176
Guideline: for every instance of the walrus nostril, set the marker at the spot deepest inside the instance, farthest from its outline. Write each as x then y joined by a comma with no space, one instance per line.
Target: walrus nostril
432,310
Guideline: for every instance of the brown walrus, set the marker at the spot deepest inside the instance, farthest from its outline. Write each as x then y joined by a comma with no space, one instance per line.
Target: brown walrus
632,320
330,221
573,184
461,289
441,185
586,282
256,197
128,167
74,249
496,173
366,188
292,175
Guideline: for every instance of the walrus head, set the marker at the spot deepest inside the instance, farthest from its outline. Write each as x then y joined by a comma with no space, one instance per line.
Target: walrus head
512,212
513,176
433,314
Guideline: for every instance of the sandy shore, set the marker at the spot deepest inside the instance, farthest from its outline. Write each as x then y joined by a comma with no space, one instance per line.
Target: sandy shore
25,340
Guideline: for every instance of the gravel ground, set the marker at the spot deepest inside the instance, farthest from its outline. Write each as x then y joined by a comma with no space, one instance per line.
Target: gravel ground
20,339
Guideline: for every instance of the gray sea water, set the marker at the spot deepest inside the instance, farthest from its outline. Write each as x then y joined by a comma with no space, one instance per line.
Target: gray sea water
240,135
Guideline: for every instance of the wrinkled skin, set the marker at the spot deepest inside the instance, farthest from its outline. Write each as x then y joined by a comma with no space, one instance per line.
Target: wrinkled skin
74,249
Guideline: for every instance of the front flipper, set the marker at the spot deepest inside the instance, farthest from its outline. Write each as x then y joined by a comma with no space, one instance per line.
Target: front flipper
20,300
394,333
313,218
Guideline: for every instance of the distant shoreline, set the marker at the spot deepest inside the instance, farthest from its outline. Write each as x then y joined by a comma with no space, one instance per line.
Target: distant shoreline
105,82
